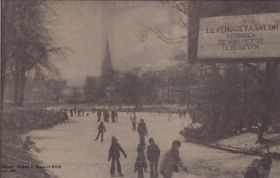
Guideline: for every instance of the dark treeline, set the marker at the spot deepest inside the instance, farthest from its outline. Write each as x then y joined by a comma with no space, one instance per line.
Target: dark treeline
223,97
237,96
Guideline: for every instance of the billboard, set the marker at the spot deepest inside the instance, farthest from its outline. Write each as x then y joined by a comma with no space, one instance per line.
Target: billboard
254,36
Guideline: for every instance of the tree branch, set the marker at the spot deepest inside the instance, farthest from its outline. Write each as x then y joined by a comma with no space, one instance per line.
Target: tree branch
166,39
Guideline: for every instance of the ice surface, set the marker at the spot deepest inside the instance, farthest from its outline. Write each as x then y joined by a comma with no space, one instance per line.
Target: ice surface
72,146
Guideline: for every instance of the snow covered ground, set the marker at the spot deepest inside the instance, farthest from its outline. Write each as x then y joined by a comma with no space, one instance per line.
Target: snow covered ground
247,141
72,146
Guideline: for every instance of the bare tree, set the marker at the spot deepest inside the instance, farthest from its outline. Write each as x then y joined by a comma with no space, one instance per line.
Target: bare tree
27,41
180,9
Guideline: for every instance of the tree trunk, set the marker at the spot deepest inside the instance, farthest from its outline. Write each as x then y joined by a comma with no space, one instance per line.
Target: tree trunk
16,85
22,85
270,98
271,90
5,46
3,70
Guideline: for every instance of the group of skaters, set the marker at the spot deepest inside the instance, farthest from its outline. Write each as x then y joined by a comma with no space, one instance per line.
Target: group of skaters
101,127
76,112
106,116
171,161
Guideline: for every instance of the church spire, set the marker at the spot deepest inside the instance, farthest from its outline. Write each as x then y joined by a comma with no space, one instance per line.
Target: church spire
107,70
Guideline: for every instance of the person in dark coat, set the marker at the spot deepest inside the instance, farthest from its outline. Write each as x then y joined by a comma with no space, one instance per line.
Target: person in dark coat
114,155
65,116
261,130
101,129
133,122
106,116
171,161
259,168
142,131
71,112
153,153
114,116
83,112
185,113
99,115
140,164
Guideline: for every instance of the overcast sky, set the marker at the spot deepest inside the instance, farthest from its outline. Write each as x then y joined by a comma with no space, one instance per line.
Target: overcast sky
83,26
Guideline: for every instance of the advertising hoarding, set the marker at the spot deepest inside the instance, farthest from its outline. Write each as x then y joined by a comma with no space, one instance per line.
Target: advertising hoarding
238,37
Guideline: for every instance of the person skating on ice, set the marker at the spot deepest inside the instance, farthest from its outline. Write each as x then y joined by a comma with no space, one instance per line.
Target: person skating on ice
101,129
99,113
142,131
133,122
140,164
171,161
153,153
114,156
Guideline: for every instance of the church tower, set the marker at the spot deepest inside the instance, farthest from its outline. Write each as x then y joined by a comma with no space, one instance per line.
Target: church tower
107,71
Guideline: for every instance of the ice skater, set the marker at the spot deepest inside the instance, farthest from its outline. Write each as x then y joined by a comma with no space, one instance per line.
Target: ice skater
106,116
99,115
142,131
171,161
101,129
259,168
114,116
133,122
114,155
169,116
71,112
140,164
153,153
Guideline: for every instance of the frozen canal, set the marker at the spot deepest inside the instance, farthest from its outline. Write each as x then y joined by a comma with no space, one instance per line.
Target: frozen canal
72,146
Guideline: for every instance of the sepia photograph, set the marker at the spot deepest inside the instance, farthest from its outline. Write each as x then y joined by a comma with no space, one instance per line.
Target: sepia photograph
140,89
